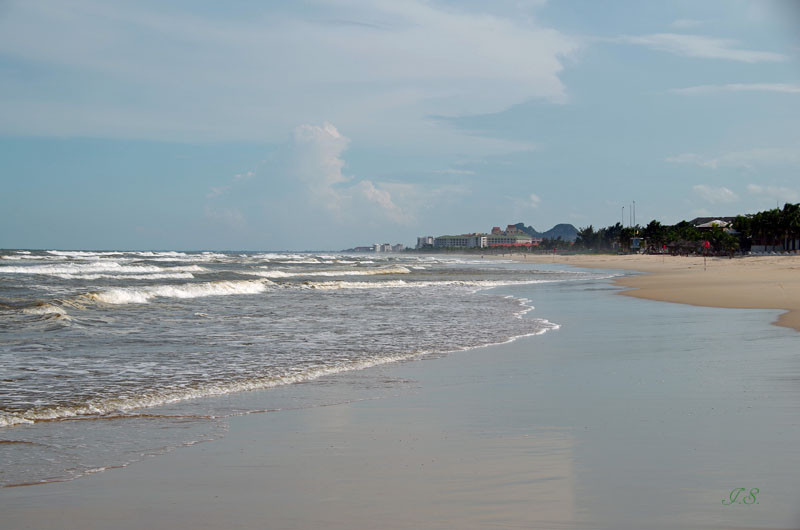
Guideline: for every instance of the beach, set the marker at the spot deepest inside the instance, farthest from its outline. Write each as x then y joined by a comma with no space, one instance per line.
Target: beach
751,282
634,414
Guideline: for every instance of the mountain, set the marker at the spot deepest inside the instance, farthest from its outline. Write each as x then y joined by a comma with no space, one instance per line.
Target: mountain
565,231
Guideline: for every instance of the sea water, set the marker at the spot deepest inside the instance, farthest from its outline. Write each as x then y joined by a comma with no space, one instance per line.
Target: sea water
108,357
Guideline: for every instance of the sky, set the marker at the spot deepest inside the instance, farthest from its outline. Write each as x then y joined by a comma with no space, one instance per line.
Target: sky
327,124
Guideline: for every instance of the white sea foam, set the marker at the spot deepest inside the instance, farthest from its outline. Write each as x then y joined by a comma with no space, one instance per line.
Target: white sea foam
32,257
82,253
153,276
100,407
142,295
170,253
272,274
331,273
358,285
96,267
45,309
122,405
390,284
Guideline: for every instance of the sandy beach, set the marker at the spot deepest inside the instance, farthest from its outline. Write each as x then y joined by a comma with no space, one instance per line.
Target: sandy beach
753,282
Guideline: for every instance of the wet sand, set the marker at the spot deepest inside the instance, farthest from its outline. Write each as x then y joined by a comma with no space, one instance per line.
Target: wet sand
634,415
752,282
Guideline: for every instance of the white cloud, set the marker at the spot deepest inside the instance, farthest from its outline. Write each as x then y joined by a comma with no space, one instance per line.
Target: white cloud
167,74
702,47
317,163
778,193
534,200
783,88
685,23
715,195
383,199
747,159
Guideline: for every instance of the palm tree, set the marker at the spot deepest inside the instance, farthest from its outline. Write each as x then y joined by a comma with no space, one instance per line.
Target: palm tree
790,217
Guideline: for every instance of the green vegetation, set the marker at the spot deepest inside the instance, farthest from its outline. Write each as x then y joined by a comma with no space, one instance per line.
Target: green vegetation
777,227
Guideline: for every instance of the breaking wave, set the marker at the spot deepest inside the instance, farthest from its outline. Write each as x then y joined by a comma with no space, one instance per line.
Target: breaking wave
153,276
478,284
332,273
96,267
142,295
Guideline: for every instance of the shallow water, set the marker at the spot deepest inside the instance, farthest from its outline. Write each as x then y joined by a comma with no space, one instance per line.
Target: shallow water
91,342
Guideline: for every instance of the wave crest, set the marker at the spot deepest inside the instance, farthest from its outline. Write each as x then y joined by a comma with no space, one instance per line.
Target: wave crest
142,295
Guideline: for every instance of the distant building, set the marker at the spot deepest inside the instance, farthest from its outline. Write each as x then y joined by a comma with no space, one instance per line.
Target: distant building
509,239
424,242
462,241
496,230
378,247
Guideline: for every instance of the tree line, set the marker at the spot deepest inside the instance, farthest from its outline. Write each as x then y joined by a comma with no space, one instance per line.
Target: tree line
777,227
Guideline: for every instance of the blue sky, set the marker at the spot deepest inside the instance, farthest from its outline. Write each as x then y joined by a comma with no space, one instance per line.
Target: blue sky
335,123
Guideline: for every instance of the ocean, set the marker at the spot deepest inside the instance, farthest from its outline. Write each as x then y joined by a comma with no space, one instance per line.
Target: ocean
110,357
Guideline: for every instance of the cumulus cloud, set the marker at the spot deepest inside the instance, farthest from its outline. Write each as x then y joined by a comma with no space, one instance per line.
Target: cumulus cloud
721,195
383,200
318,165
702,47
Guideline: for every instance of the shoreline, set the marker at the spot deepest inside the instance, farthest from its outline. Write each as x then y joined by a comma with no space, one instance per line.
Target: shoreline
752,282
552,431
